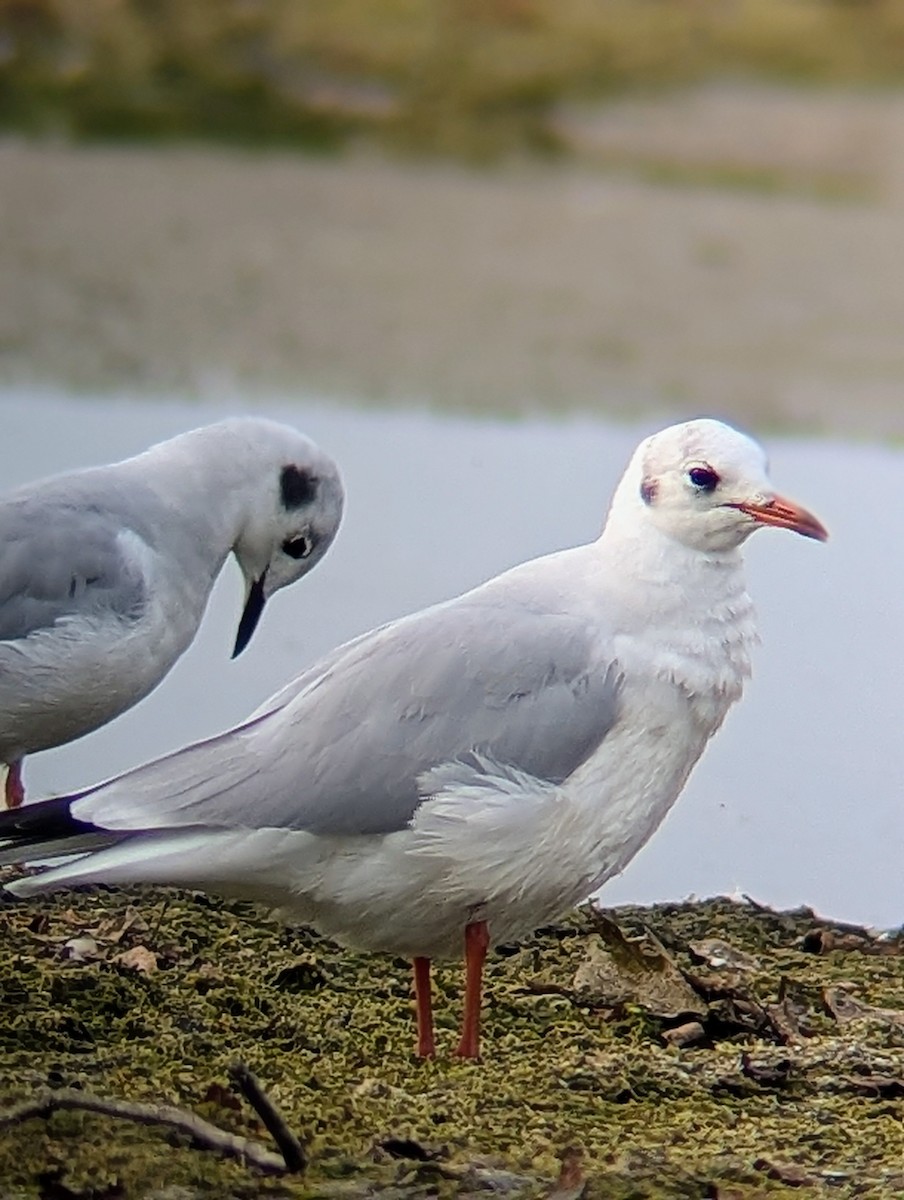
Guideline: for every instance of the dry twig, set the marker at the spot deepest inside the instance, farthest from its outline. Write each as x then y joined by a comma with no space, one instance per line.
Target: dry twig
202,1133
289,1146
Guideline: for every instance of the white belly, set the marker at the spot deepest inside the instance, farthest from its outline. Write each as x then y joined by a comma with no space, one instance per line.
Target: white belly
69,679
500,847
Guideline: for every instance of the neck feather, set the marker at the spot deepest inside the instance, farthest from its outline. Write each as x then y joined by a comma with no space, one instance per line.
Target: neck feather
210,479
679,613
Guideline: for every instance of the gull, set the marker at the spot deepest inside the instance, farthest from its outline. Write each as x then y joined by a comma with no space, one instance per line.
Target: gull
105,573
463,775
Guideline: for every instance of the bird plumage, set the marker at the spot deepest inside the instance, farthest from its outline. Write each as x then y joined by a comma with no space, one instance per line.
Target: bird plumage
105,573
476,768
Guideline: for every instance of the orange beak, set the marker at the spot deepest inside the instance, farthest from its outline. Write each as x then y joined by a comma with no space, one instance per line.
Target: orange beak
785,515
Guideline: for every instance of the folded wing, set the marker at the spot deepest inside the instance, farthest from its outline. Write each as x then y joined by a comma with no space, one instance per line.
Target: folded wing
56,562
466,682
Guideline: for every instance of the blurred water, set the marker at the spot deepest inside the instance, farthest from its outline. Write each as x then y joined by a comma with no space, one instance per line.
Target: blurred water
798,800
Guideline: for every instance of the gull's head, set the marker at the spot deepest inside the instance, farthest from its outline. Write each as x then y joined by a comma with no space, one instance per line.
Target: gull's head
294,513
707,486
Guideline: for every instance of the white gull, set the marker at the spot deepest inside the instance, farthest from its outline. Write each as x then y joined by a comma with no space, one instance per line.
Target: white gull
105,573
465,774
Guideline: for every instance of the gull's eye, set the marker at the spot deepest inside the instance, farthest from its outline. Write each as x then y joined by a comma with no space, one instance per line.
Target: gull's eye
298,547
704,479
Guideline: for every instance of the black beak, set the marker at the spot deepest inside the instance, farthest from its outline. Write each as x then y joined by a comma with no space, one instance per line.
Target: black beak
251,614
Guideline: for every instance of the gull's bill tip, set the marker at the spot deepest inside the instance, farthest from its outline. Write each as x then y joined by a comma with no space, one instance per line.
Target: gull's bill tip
786,514
251,614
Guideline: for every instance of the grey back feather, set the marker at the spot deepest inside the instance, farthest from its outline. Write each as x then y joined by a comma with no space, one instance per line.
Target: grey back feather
60,554
469,681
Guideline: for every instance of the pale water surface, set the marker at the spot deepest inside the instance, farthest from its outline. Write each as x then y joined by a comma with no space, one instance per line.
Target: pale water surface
800,798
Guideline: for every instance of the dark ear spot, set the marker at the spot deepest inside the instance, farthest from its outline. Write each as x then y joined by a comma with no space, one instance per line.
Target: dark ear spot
297,487
648,491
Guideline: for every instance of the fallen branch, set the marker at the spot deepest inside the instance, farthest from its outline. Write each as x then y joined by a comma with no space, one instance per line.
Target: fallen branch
201,1132
289,1146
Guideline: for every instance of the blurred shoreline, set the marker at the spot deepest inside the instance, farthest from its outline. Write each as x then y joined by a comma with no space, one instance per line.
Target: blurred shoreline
730,250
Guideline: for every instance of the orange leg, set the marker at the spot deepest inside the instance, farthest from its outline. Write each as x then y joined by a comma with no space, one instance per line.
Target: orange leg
477,939
426,1047
15,788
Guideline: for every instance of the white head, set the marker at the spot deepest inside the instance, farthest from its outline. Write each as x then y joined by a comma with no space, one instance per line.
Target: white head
292,520
707,486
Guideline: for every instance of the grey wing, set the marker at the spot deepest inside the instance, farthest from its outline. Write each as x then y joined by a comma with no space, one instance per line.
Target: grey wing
291,690
57,560
464,683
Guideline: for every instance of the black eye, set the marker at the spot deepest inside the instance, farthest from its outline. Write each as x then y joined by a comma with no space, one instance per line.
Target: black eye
704,478
298,547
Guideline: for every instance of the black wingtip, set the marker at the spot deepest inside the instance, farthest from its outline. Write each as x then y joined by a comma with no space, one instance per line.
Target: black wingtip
251,614
36,824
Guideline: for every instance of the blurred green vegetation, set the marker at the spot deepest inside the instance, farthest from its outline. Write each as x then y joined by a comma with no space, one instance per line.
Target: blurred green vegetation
461,77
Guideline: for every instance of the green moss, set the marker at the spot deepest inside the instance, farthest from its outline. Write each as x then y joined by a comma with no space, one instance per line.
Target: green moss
330,1035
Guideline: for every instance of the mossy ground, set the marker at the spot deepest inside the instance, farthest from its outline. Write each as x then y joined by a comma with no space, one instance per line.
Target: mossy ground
330,1036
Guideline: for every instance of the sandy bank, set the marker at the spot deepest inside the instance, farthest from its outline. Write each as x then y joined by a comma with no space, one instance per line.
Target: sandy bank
564,287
